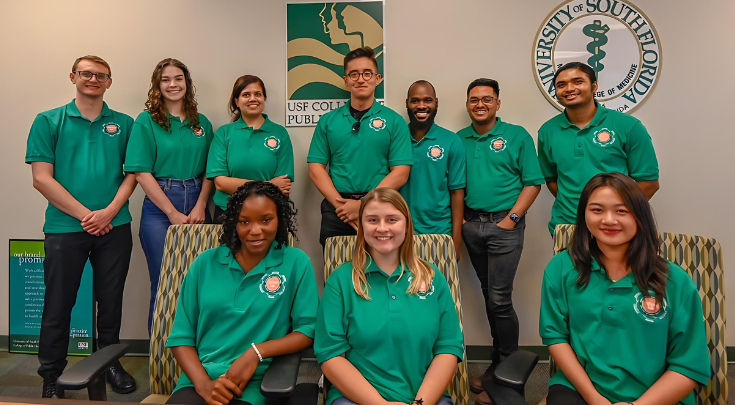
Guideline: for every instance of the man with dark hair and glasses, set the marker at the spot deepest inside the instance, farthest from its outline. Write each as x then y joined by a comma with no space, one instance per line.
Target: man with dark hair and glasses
76,153
587,139
503,180
365,144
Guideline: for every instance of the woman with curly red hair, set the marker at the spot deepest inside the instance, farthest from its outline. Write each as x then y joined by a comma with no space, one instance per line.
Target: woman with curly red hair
167,151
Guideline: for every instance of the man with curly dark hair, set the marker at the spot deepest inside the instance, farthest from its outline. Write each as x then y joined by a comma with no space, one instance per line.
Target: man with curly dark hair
254,288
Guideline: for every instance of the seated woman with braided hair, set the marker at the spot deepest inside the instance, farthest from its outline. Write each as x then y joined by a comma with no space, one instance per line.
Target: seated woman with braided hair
239,301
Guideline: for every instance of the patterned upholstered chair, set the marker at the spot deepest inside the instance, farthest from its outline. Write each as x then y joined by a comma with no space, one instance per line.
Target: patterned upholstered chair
702,259
437,249
183,244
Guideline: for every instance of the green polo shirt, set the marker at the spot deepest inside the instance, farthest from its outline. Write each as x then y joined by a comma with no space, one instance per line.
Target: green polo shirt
180,153
359,160
499,164
439,165
246,153
87,156
623,344
392,338
222,310
612,142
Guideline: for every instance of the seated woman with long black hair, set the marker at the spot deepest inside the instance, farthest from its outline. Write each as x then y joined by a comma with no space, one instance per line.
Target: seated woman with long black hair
238,302
387,330
623,325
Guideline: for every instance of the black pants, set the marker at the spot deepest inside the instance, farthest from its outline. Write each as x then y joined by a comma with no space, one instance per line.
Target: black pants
66,255
495,253
563,395
218,217
332,225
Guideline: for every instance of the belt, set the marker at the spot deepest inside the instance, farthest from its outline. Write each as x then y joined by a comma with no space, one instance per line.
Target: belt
353,196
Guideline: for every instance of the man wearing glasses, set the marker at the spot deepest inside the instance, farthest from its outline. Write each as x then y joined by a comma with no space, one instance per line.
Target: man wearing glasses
503,180
365,144
76,153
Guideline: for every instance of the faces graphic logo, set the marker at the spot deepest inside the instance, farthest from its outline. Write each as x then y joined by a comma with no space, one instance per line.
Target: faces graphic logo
604,137
198,131
273,284
377,123
423,290
272,143
615,38
111,129
319,36
435,152
498,144
649,307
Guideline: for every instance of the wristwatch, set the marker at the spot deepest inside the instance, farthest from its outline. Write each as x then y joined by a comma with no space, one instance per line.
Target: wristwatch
514,217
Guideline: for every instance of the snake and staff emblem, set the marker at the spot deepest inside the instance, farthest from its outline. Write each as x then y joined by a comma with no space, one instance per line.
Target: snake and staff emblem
598,33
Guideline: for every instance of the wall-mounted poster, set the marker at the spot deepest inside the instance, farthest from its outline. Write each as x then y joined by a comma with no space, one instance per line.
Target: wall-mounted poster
614,37
319,37
26,301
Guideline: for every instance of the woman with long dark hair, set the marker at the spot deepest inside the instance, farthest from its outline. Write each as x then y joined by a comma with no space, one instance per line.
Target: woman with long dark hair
623,324
387,330
168,152
241,304
251,147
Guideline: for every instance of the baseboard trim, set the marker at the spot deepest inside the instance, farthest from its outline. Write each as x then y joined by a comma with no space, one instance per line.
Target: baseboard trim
475,354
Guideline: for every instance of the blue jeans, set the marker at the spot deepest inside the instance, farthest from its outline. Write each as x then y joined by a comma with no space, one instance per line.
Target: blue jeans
345,401
154,224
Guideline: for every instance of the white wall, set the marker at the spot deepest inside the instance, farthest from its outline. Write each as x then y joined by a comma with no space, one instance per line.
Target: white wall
448,43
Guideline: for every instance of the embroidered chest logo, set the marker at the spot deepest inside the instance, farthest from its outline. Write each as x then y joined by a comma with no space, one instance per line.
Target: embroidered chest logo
435,152
198,131
650,308
377,123
498,144
111,129
272,143
604,137
423,290
273,284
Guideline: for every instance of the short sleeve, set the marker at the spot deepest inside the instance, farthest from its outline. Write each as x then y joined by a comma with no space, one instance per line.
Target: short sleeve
642,162
141,151
450,339
400,151
306,301
687,351
545,159
528,162
41,146
457,176
184,329
554,316
330,339
319,148
284,157
217,157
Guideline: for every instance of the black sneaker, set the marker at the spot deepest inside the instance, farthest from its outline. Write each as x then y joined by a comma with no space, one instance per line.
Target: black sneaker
119,379
50,389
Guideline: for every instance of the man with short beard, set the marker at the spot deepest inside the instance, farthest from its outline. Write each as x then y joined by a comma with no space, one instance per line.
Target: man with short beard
435,188
503,180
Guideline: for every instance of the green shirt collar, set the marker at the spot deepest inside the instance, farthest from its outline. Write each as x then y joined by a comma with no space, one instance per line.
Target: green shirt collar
431,134
266,127
174,118
627,281
73,111
273,258
596,120
374,109
371,267
498,129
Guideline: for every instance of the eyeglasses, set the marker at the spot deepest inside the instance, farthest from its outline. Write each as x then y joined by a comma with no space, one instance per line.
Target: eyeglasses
485,100
356,126
356,75
101,77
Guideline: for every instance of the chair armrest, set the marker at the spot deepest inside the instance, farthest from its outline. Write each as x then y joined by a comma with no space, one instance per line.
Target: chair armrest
279,380
502,395
80,375
514,371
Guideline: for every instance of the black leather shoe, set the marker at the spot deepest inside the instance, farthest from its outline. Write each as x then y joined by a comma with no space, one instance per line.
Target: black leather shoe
119,379
50,389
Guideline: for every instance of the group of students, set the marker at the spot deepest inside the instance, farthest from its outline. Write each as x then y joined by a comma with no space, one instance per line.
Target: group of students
386,330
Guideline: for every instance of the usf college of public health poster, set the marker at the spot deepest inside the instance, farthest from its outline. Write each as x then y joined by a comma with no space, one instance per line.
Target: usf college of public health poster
319,37
26,301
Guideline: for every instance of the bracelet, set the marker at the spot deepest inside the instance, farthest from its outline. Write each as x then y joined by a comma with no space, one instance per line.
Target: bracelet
419,401
256,351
